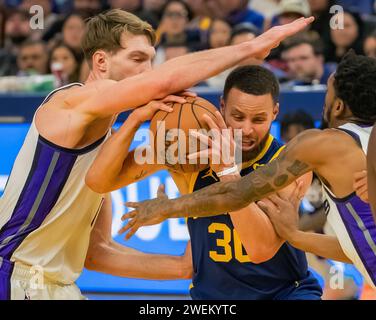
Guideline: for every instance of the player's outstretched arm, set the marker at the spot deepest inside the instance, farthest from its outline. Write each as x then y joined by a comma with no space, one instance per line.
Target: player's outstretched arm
222,197
371,169
183,72
107,256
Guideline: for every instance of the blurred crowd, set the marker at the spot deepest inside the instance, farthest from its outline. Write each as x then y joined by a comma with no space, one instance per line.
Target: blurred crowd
187,26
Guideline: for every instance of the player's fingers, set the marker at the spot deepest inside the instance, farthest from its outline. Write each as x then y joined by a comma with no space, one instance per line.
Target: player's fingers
359,184
296,195
129,215
129,225
188,94
276,199
131,232
297,26
362,190
202,137
130,204
360,175
364,197
210,122
164,107
161,193
200,155
268,207
174,98
220,121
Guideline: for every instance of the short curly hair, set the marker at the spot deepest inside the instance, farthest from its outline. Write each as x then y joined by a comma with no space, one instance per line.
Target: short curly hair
355,84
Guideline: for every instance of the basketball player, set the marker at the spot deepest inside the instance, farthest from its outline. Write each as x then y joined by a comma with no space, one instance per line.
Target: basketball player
334,155
265,267
47,212
371,171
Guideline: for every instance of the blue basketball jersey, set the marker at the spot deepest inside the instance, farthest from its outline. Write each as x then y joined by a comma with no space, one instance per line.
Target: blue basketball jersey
222,268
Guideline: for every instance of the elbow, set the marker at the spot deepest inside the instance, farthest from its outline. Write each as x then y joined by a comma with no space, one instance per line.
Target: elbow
97,184
94,256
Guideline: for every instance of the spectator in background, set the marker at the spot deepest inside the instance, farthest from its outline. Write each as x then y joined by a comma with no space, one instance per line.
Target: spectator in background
370,45
219,33
294,123
362,6
87,7
268,8
32,58
135,7
351,36
173,27
234,11
288,10
174,50
73,31
243,32
305,62
155,7
291,10
219,36
201,15
320,9
2,26
16,31
65,64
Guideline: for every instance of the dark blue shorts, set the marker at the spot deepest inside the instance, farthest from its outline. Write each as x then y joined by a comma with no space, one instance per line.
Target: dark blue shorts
307,289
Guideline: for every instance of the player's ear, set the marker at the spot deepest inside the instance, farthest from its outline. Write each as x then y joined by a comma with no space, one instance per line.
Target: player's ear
222,107
100,61
275,111
339,108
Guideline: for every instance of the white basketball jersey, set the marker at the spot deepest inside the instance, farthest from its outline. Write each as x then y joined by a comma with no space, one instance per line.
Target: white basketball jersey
352,220
47,212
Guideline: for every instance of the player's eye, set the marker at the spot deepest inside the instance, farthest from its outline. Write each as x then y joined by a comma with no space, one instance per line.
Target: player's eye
258,120
237,117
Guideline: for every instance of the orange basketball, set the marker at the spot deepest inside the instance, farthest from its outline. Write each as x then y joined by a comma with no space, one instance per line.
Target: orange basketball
170,134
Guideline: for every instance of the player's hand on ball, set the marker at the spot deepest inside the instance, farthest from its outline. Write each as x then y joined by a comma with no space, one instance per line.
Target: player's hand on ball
361,185
145,214
146,112
220,144
283,212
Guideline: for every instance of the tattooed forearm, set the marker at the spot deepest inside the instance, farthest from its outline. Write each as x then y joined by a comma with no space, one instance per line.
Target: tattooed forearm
140,175
230,196
297,167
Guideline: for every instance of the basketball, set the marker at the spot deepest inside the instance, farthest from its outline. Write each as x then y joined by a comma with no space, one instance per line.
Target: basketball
170,134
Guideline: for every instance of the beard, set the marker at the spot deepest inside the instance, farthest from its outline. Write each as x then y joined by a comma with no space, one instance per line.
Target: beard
251,154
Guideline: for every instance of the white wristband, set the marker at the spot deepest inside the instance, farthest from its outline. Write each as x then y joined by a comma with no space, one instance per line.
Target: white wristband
228,171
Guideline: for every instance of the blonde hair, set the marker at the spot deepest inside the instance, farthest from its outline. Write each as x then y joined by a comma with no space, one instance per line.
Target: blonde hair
104,31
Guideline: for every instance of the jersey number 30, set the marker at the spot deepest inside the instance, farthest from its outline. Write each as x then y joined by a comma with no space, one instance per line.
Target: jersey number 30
229,237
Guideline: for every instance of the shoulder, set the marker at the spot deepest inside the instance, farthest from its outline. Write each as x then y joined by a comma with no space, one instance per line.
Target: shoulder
73,97
318,146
